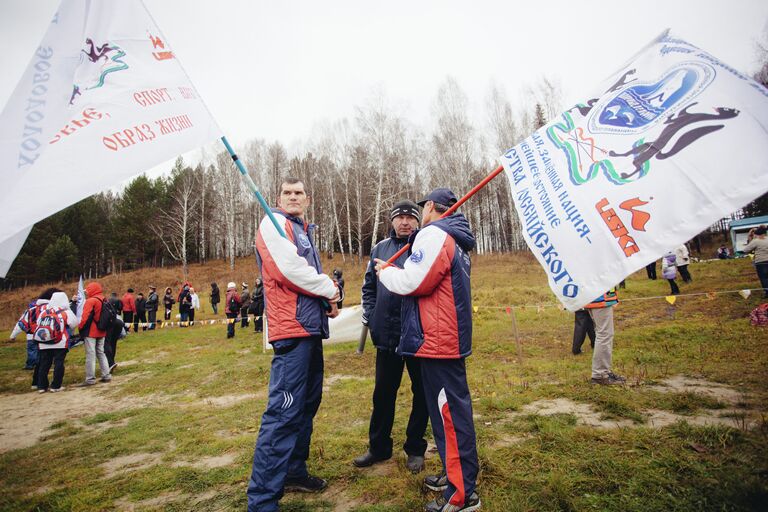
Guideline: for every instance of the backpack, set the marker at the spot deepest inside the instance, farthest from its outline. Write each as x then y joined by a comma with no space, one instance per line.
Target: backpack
759,316
28,322
233,306
50,326
108,316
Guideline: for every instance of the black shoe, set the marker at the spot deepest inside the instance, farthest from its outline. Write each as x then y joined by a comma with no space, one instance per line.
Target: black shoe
28,368
368,459
440,505
437,483
307,484
415,463
576,352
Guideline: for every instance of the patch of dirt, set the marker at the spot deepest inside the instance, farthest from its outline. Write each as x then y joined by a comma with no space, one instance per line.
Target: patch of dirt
682,384
332,379
219,461
227,400
716,417
585,413
124,505
507,441
128,463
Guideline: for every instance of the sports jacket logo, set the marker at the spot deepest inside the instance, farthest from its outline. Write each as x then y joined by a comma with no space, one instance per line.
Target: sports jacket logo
417,256
304,241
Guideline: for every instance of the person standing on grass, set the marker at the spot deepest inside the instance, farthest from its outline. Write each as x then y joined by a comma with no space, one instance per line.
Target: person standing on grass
113,334
601,312
583,326
94,337
683,258
215,298
141,313
759,244
650,269
245,303
185,305
232,308
117,304
437,328
153,302
381,313
294,290
129,308
54,353
28,324
168,302
194,306
257,305
669,271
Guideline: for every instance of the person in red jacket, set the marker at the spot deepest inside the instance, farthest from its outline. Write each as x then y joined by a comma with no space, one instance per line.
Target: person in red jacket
129,308
94,337
232,308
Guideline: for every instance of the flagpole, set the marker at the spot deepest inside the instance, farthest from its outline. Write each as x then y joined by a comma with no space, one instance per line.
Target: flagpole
452,209
253,188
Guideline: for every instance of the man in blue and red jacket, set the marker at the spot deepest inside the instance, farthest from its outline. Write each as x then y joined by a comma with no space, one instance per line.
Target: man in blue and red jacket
437,328
297,322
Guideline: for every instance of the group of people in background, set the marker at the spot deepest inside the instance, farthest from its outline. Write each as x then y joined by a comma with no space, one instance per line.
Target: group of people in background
674,261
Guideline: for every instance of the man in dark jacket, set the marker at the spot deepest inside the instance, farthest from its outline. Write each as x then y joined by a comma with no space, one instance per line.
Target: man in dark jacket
215,298
141,313
437,328
381,313
245,303
153,301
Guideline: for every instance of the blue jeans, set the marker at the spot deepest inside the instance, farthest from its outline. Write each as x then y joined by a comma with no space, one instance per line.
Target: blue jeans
282,448
32,356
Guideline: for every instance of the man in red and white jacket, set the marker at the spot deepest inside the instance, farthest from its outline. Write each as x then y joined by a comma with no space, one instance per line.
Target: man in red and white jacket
94,337
436,319
297,322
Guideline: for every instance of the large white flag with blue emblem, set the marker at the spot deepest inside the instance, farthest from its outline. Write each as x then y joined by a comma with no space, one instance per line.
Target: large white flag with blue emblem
672,142
104,98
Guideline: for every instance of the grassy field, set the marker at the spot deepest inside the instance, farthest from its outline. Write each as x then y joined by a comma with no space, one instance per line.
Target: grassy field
175,429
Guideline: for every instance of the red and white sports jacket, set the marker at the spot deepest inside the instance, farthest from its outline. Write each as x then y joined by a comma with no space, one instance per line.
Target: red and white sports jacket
294,284
436,314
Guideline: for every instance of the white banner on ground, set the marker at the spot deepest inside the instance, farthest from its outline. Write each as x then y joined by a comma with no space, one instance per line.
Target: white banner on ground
104,98
672,142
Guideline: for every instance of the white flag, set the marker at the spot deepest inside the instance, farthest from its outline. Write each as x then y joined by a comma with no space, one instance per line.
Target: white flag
672,142
104,98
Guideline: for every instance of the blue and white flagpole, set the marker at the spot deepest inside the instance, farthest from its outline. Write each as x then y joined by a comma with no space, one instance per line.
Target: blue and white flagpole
80,298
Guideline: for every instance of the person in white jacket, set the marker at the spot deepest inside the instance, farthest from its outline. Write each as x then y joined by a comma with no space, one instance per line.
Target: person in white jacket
27,324
55,353
683,259
195,305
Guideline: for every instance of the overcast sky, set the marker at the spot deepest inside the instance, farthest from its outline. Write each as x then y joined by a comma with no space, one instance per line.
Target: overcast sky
274,69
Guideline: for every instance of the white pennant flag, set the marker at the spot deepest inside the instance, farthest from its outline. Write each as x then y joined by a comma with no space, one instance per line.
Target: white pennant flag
104,98
672,142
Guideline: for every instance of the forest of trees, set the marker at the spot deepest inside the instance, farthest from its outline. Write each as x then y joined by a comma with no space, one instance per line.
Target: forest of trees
354,169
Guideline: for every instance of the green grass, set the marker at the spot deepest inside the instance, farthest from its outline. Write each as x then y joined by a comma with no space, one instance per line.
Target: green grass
182,403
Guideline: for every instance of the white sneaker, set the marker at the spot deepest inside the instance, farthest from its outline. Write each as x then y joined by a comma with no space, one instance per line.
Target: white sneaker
41,390
56,390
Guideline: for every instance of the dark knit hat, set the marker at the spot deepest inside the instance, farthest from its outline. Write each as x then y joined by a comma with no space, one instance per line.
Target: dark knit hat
405,207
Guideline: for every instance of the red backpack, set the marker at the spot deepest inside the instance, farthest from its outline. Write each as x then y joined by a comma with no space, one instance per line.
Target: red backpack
759,315
50,326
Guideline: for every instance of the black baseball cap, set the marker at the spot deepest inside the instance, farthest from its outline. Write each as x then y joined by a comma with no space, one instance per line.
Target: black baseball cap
443,196
405,207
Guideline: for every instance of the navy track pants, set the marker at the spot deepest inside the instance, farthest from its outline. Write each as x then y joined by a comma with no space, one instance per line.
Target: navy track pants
450,413
282,448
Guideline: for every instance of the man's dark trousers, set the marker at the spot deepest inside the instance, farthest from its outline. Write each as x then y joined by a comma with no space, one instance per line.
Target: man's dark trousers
583,326
48,357
389,374
450,411
152,318
282,448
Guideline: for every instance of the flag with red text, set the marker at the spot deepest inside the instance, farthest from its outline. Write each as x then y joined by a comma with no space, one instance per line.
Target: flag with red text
104,98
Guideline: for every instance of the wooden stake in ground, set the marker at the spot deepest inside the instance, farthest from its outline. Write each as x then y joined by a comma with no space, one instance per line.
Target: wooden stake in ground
517,336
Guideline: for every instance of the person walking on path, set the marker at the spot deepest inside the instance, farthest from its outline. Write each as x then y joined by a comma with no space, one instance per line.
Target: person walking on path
601,312
759,245
381,313
168,302
437,328
669,271
153,302
129,308
682,258
94,337
232,308
215,298
55,353
297,322
28,324
245,302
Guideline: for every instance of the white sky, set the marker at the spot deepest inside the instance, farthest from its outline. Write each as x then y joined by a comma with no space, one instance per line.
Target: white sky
274,69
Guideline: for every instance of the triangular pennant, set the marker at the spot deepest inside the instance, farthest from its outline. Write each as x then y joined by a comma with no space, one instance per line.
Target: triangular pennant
745,293
671,299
